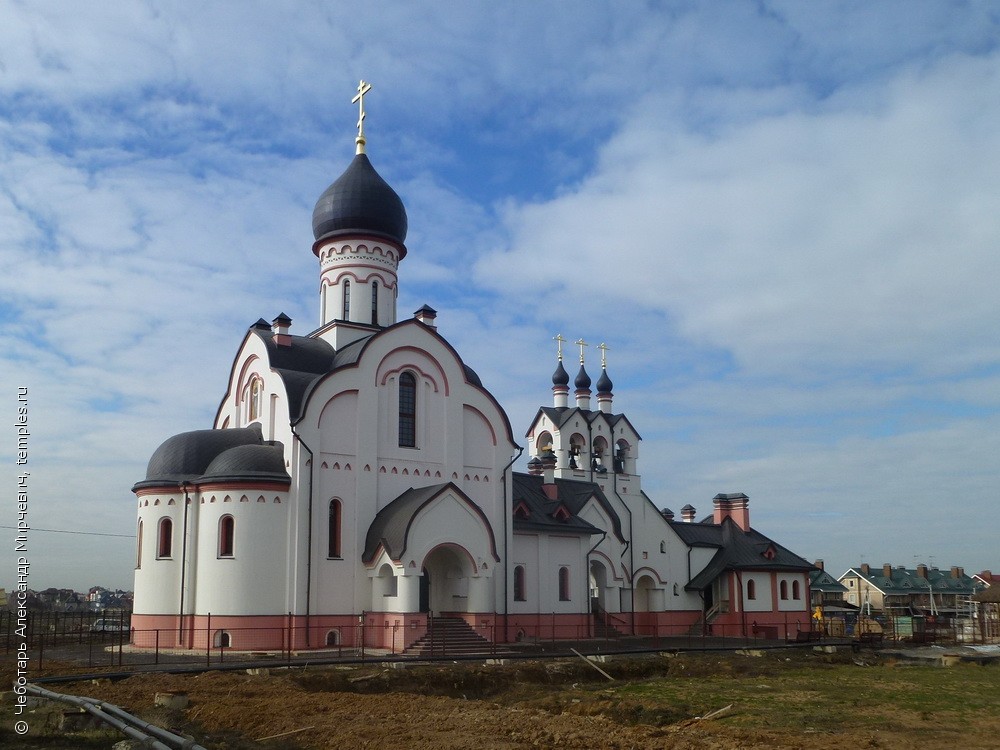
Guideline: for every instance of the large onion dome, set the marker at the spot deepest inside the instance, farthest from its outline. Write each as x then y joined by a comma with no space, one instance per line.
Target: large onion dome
360,201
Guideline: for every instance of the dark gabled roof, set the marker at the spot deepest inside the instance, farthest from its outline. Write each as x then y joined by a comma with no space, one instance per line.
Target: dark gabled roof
217,455
820,580
737,550
571,494
903,580
298,363
391,526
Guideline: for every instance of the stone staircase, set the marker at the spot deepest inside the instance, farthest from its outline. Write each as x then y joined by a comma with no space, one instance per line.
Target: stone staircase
450,636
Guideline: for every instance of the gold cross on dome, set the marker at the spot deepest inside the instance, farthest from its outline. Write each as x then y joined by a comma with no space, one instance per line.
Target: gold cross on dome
581,343
359,99
558,338
604,355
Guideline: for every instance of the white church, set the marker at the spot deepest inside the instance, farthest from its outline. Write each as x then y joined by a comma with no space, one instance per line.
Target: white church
357,485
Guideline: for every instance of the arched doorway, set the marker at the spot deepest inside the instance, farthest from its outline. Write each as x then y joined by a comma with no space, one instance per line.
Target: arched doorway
445,579
598,586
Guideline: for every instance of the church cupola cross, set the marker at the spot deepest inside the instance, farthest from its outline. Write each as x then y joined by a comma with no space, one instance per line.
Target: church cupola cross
604,355
581,343
558,338
359,99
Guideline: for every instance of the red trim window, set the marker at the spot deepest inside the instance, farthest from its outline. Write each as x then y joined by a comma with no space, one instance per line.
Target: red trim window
407,410
227,536
783,588
165,538
796,592
333,521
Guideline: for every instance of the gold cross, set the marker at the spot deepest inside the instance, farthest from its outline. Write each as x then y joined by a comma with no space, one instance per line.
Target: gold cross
560,341
359,99
604,355
581,343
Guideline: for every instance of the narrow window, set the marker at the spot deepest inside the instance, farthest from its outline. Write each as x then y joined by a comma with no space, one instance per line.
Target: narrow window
138,547
374,303
227,527
783,588
254,408
166,538
663,546
333,549
407,410
564,584
518,583
795,590
347,299
751,589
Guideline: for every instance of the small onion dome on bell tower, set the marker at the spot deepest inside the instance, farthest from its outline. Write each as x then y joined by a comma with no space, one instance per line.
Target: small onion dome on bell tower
604,384
582,384
560,376
604,395
560,387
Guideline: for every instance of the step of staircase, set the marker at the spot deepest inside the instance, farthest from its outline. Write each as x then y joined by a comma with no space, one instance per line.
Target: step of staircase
450,636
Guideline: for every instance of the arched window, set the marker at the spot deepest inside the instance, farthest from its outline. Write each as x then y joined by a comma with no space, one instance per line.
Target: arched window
138,547
663,546
407,410
374,303
253,408
347,299
165,538
333,638
519,583
564,584
783,589
227,528
621,456
599,455
222,639
796,592
751,589
333,548
676,592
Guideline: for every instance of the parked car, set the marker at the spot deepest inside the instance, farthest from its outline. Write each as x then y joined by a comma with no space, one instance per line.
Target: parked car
108,625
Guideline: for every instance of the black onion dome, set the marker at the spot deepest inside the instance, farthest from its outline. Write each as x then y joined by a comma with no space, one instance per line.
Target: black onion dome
604,384
360,201
582,379
560,376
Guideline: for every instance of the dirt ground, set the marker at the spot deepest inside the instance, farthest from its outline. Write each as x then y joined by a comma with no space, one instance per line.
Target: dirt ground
778,701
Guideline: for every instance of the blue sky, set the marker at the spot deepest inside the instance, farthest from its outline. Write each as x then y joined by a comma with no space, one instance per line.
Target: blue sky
782,218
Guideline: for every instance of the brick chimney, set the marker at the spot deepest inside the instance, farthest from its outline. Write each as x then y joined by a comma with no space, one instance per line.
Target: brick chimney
734,505
280,326
426,315
922,571
819,564
866,569
887,570
687,513
667,514
956,572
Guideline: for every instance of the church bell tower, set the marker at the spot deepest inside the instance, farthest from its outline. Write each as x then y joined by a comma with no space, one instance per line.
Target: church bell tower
359,225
